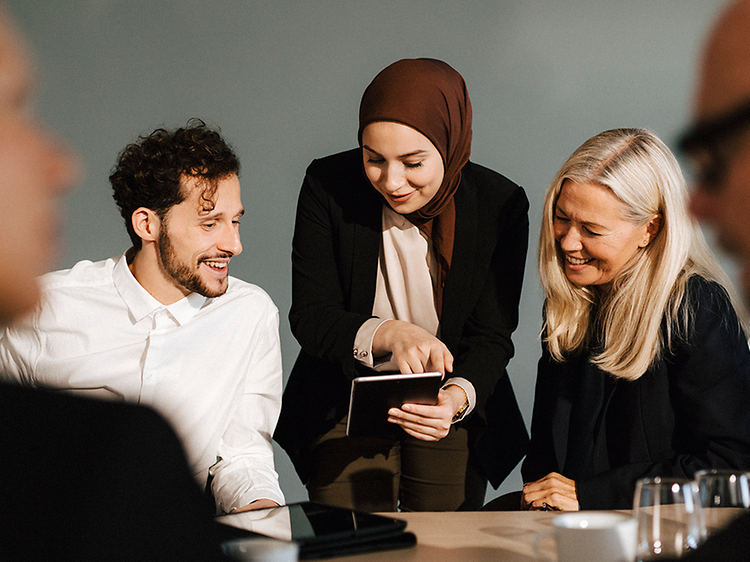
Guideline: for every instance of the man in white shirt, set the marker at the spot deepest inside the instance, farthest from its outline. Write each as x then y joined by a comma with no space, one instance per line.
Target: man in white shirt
164,324
81,480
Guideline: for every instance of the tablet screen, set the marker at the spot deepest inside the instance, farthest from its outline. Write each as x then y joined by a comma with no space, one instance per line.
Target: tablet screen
306,522
372,397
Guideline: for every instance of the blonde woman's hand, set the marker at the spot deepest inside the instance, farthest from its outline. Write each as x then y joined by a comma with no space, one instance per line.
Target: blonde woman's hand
413,349
553,492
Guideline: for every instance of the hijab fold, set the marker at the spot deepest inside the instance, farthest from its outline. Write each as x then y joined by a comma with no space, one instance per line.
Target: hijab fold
430,97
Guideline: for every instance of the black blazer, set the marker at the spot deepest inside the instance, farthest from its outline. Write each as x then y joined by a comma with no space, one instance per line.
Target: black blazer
689,411
335,259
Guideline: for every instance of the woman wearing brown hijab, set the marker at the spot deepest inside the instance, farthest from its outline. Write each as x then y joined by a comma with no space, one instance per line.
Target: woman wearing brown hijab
406,257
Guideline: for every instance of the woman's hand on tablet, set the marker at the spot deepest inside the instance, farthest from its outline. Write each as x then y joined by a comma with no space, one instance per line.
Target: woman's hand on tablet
429,423
413,349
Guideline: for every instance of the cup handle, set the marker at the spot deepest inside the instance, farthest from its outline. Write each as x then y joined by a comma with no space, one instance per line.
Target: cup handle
538,538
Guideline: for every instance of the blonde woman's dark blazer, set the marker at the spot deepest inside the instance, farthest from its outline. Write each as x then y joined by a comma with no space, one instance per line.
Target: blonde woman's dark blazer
690,410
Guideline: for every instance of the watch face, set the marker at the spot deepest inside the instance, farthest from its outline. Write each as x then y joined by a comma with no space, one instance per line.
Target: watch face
465,406
461,410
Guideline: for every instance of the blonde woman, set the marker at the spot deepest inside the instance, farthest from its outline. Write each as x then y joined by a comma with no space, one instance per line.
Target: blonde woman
645,368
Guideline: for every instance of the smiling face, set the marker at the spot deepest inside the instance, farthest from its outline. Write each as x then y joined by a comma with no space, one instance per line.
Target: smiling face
195,244
402,164
35,171
594,240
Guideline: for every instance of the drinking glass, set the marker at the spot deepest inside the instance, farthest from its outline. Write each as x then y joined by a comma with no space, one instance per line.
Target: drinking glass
724,495
669,516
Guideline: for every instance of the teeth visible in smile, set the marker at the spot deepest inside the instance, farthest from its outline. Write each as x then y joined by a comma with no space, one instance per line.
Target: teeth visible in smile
216,264
575,261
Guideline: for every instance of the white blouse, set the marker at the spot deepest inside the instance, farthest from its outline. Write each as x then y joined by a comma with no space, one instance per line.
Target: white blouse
405,291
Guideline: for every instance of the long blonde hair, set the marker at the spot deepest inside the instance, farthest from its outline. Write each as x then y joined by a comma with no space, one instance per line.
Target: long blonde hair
648,292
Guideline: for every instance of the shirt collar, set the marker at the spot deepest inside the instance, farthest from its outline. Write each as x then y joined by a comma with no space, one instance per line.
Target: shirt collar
141,303
184,309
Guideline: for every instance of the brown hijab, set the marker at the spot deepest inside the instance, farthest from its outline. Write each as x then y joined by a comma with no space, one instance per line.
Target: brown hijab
429,96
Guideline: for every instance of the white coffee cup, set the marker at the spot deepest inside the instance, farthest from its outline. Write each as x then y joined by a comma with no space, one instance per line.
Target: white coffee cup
590,536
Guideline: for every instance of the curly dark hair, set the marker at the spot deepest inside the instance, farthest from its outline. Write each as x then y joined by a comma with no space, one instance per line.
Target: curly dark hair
149,171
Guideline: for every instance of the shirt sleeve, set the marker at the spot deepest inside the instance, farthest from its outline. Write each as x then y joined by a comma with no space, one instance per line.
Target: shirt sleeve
363,342
245,470
363,347
20,348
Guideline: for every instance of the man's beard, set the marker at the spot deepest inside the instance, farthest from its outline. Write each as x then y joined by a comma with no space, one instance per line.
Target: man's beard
180,272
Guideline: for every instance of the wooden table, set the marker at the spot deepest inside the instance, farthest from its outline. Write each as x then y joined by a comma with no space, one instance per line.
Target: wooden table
481,536
497,536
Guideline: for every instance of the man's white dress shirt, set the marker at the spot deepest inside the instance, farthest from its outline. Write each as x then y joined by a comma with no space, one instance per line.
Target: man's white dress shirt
211,366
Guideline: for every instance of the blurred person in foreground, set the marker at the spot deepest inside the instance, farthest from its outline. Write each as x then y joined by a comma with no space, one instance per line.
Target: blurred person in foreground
718,142
80,479
645,368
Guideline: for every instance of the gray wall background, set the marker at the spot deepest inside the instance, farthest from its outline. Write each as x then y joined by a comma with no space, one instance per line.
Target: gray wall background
283,80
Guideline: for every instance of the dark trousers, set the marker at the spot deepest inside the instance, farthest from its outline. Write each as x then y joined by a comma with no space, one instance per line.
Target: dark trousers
373,474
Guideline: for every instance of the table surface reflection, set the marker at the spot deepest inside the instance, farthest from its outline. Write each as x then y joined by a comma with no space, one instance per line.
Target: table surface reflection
498,536
505,536
479,536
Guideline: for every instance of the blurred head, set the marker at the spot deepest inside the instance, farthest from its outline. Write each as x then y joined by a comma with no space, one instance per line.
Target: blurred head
415,133
34,171
604,213
153,172
718,143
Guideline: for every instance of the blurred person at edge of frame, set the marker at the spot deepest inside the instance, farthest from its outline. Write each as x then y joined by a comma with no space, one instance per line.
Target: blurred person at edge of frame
407,256
718,144
80,479
645,368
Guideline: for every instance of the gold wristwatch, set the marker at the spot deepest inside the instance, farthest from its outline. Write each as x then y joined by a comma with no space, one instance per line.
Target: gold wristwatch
462,410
